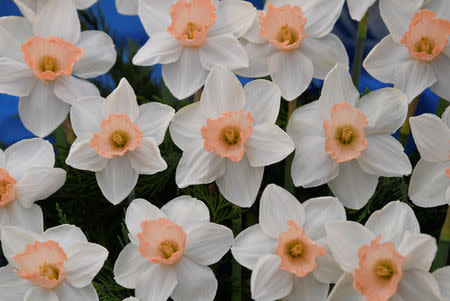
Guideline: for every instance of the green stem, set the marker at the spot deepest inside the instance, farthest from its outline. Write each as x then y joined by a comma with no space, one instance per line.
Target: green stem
405,130
443,104
443,245
361,37
236,269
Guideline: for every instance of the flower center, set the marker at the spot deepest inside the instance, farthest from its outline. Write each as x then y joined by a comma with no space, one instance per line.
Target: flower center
427,35
295,249
384,270
118,135
345,136
168,248
51,57
191,28
51,271
290,34
7,188
231,135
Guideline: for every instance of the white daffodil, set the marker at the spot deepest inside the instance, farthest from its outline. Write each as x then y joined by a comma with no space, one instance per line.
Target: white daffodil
27,175
287,250
229,136
127,7
38,62
30,8
387,259
442,276
170,251
118,139
190,37
291,42
131,299
346,141
58,264
415,55
430,181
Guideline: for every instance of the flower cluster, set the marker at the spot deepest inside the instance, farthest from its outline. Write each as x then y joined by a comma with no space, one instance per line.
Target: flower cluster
227,137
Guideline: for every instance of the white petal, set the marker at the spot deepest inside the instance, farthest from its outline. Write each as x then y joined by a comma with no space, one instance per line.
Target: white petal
127,7
84,157
312,166
345,238
14,31
85,261
393,221
2,159
30,219
429,183
277,207
122,100
12,287
16,78
385,110
384,58
139,211
439,6
358,8
441,67
58,18
418,285
195,282
318,212
252,34
431,136
147,159
292,71
155,14
129,266
156,283
207,243
99,54
305,121
321,15
71,89
65,291
268,144
263,101
65,235
38,183
397,16
337,88
86,115
328,269
222,93
223,50
257,59
308,288
42,111
186,211
185,128
419,251
442,276
384,156
344,291
15,241
353,187
268,281
161,48
83,4
236,191
130,298
251,244
324,53
174,74
39,294
197,166
117,180
154,119
233,17
413,77
28,153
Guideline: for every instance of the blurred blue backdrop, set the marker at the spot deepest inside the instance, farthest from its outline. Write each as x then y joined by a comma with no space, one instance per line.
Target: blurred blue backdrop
12,130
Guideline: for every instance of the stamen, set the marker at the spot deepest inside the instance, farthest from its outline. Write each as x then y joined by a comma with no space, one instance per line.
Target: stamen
295,249
384,271
425,44
191,28
119,138
168,248
345,135
231,135
3,189
288,35
48,63
51,271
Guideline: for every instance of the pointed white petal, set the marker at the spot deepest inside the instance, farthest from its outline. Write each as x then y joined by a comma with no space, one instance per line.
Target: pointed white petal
186,211
263,101
72,89
442,276
251,244
42,111
233,17
418,285
65,235
86,116
84,157
321,15
154,119
161,48
328,269
38,294
83,4
155,15
308,288
12,287
14,31
30,219
16,78
29,8
127,7
292,71
257,59
117,180
446,117
185,128
129,266
413,77
344,291
147,159
236,191
419,251
353,187
305,121
268,281
358,8
277,207
99,54
344,239
156,283
222,93
15,241
65,291
2,159
397,15
223,50
122,100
